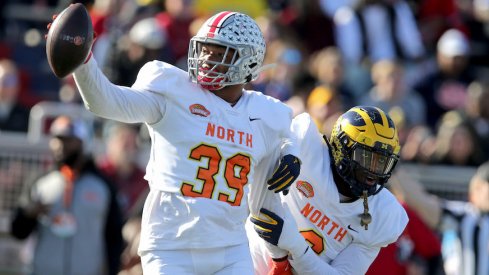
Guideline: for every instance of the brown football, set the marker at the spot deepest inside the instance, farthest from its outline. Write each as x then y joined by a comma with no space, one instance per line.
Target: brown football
69,40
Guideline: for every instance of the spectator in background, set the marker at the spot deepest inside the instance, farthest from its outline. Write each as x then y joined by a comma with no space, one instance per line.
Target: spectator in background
68,92
302,85
391,94
476,111
324,106
475,16
464,225
120,164
311,26
445,89
176,20
476,114
331,7
106,24
416,252
374,30
327,65
434,17
146,41
73,209
419,145
279,81
457,142
13,116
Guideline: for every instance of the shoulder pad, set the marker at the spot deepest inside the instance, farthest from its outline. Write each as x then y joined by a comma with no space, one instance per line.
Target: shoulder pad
158,76
392,219
274,113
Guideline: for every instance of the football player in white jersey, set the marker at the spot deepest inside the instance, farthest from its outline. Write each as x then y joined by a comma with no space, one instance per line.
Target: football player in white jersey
340,214
210,140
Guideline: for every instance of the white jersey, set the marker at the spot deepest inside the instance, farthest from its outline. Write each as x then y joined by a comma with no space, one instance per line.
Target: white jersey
204,152
329,226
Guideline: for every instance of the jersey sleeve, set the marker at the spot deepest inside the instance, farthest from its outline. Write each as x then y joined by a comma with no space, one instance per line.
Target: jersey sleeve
277,117
301,125
393,219
308,138
160,77
354,259
107,100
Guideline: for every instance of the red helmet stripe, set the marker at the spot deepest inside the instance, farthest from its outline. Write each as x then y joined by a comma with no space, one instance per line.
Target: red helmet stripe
220,18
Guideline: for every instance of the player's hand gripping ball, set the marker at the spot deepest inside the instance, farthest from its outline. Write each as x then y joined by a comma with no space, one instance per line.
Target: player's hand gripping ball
69,40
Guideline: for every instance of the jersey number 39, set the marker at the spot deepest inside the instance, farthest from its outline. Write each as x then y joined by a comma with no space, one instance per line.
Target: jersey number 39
236,170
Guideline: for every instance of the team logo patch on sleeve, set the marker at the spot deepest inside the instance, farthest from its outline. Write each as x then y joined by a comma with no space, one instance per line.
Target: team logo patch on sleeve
305,188
198,109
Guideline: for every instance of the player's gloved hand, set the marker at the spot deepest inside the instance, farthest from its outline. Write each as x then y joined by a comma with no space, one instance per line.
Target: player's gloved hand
274,230
269,229
280,267
286,173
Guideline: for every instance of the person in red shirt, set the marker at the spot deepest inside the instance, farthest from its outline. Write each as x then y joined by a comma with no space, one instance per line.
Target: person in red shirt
417,251
176,21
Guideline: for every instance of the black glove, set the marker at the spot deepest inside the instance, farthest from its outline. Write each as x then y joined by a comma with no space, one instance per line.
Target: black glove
278,231
270,229
286,173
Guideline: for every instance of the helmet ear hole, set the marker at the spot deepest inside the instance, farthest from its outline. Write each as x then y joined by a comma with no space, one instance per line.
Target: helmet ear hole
249,78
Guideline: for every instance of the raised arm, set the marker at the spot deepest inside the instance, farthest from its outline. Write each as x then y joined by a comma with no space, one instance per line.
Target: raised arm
111,101
427,206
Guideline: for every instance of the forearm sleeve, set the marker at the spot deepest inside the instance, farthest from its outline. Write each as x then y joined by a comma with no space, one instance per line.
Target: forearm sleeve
355,259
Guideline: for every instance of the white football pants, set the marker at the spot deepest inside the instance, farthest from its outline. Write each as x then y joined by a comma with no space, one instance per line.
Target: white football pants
232,260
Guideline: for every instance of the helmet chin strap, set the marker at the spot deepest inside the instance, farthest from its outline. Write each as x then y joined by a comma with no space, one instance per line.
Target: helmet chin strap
365,217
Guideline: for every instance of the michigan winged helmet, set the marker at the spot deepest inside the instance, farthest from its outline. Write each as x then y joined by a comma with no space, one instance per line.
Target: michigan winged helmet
365,148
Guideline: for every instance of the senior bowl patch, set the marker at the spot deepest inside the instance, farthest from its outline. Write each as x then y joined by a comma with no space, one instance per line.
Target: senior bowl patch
305,188
198,109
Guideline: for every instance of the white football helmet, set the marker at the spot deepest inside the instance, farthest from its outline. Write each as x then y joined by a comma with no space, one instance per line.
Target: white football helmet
240,35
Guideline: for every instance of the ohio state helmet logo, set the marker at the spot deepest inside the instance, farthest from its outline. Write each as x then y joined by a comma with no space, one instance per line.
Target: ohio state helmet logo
217,23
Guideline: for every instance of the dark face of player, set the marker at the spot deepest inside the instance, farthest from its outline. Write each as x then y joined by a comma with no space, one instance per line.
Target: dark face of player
213,63
66,150
214,57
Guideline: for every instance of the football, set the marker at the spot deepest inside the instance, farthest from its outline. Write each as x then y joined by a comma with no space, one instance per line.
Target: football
69,40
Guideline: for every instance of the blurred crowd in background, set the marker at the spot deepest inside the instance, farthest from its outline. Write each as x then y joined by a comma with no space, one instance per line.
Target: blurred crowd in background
425,62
